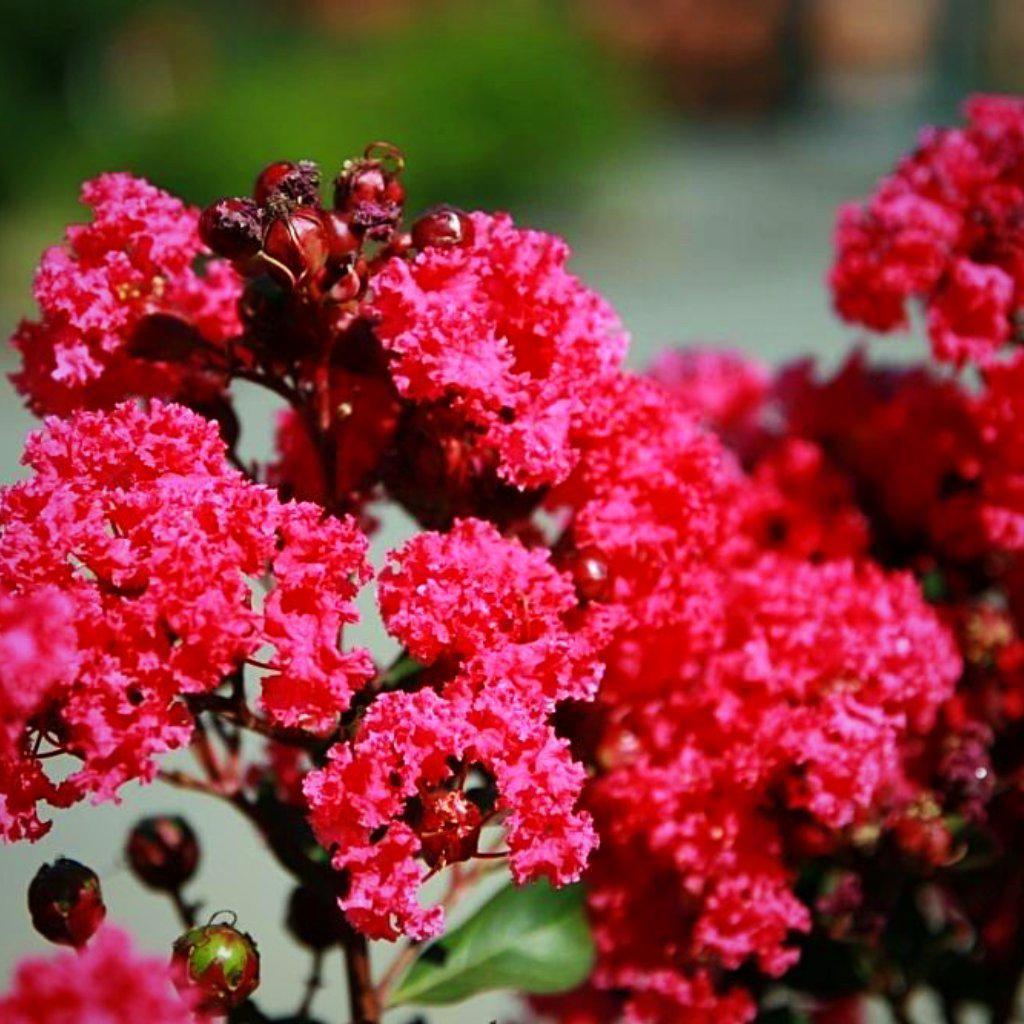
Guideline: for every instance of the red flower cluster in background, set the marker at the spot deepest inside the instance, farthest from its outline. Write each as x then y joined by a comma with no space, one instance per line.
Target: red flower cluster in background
739,648
109,981
946,228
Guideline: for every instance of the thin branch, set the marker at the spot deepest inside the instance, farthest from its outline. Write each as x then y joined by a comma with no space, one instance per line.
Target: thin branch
186,911
362,995
205,753
401,962
314,982
182,780
243,716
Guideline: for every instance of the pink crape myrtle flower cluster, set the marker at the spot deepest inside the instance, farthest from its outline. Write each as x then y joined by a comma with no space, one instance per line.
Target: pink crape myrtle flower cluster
733,653
109,981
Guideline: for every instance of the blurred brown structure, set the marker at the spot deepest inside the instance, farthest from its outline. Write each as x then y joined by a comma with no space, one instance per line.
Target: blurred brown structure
751,56
1005,45
711,54
869,50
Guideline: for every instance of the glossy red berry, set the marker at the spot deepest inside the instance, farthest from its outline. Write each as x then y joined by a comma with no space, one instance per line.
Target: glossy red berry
217,965
370,196
299,241
163,852
363,181
443,227
314,918
269,178
232,228
66,902
341,239
590,575
297,183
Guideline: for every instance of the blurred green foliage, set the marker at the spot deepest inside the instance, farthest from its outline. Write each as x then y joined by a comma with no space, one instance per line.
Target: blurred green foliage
494,101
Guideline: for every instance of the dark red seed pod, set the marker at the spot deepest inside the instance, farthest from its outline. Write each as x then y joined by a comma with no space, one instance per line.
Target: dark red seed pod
216,965
590,575
443,227
448,827
296,183
370,196
341,239
232,228
66,902
299,241
163,852
314,918
269,178
360,181
394,192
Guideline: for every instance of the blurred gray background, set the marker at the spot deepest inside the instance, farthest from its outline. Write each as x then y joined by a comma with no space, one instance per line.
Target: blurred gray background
691,151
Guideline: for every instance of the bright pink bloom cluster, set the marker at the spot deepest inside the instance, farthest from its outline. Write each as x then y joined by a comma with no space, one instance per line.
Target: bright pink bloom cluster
108,982
648,500
727,645
506,338
723,389
999,413
945,228
494,624
745,693
38,660
135,258
158,548
953,485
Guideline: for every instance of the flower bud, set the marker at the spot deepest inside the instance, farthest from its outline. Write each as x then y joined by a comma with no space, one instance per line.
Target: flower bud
341,239
163,852
298,240
314,918
443,227
297,183
216,965
66,902
370,195
232,228
590,575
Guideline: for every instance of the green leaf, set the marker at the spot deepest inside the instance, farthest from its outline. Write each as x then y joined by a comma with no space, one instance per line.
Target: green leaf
532,938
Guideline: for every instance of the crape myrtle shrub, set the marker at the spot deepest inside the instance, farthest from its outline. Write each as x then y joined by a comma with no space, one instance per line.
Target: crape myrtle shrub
722,665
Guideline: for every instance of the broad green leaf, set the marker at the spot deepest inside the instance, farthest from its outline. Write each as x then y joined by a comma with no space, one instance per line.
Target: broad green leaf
532,939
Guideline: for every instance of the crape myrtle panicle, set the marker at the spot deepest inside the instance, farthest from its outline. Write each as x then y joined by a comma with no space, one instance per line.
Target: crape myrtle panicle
739,648
108,981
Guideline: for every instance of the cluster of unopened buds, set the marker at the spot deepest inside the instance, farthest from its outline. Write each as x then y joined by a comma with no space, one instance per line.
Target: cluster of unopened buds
215,966
723,664
321,259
